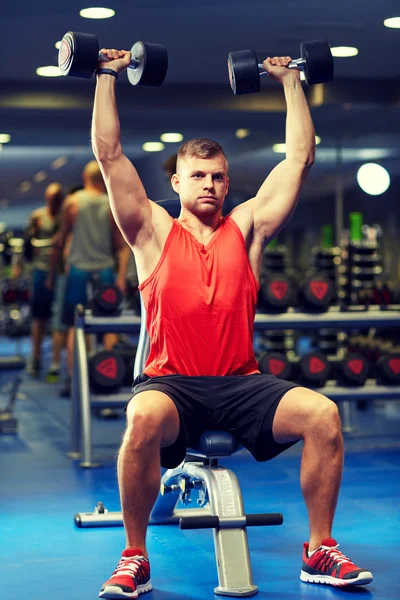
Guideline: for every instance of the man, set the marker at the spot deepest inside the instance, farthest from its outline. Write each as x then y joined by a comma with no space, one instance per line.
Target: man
43,225
198,277
95,242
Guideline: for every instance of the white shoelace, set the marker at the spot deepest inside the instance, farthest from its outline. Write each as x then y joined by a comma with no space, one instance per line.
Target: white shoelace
334,553
128,565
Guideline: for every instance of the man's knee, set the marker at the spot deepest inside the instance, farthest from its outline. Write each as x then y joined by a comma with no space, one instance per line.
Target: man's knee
325,419
152,418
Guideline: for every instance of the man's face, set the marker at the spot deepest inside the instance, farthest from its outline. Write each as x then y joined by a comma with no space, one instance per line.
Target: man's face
202,184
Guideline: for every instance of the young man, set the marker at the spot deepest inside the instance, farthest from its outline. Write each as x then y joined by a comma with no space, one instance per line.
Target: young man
95,247
198,277
43,225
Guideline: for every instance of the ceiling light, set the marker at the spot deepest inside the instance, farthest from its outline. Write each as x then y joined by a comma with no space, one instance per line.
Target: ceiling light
242,133
97,12
153,146
393,23
373,179
280,148
39,176
59,162
58,45
317,140
344,51
171,137
48,72
25,186
4,138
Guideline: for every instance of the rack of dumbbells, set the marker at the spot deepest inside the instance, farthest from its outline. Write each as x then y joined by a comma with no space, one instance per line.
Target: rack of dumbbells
103,379
344,368
276,294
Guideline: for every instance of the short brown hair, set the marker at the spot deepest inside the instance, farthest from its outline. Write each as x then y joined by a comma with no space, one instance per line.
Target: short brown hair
200,148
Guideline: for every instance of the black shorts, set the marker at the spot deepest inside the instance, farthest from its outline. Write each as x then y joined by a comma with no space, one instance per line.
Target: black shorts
243,405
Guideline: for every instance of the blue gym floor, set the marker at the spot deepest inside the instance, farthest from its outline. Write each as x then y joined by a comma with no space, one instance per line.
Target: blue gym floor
43,555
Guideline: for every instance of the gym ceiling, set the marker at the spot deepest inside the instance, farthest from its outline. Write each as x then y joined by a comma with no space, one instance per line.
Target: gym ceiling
49,118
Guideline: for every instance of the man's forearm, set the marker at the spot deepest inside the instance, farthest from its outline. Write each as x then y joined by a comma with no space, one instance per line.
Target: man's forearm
106,134
300,134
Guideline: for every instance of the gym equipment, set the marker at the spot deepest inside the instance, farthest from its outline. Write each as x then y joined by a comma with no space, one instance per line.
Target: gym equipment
127,351
106,371
106,300
353,369
315,369
276,292
244,69
388,369
9,364
276,364
79,57
316,293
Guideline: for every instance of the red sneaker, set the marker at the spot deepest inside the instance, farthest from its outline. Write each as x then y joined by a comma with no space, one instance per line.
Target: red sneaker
130,578
328,565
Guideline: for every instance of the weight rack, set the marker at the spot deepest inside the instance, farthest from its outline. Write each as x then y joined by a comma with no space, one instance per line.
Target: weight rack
83,399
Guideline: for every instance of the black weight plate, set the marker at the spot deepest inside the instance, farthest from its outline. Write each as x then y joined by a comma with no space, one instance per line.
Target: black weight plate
78,55
106,371
244,75
107,300
388,369
317,292
318,67
276,292
315,368
152,67
276,364
354,369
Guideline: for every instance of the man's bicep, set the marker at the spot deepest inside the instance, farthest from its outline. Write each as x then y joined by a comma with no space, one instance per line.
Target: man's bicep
128,199
277,198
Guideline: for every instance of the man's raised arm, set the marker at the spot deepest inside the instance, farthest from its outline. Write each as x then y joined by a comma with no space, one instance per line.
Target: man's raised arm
277,198
128,199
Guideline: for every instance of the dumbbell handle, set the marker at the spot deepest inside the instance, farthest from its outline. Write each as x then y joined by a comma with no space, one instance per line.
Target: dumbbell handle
133,64
295,64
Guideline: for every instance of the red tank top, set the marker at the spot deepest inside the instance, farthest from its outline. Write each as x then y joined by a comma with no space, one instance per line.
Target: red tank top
201,302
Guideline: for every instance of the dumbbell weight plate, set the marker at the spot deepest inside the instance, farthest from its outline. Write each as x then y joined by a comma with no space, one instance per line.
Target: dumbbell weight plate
317,292
107,300
276,292
315,368
318,65
276,364
78,55
388,369
354,369
106,371
152,67
244,74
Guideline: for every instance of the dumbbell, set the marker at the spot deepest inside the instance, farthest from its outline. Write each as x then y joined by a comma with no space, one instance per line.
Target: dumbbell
274,363
107,301
388,369
316,293
315,369
79,57
353,369
276,292
106,371
244,69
